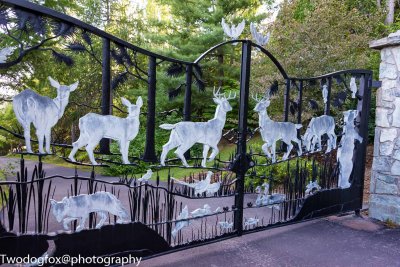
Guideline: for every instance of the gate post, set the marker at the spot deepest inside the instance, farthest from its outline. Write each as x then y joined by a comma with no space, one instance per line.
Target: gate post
188,100
241,145
149,150
385,176
106,98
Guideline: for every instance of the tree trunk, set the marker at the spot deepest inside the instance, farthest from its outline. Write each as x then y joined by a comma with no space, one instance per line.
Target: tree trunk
378,4
390,4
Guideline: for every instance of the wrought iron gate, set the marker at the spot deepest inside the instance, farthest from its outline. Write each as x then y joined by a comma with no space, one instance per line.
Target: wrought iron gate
265,193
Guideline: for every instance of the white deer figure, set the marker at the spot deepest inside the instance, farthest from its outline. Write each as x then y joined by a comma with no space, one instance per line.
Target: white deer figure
42,111
346,149
233,31
185,134
79,208
94,127
272,131
318,127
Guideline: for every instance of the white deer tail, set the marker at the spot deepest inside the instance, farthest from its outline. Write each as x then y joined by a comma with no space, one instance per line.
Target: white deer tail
167,126
298,126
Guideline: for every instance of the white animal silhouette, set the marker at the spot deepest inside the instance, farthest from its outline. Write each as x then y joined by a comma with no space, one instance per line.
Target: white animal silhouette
225,225
79,208
233,31
251,221
346,150
42,111
258,37
265,199
200,212
5,53
202,186
146,177
179,225
316,129
272,131
312,187
353,87
186,133
94,127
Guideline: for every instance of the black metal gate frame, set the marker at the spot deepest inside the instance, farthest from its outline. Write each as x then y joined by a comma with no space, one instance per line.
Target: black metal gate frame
327,202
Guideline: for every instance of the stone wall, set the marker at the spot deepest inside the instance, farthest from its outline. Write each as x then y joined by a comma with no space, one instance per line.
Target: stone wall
385,179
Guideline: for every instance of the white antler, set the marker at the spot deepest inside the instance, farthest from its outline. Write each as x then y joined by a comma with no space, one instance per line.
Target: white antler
231,97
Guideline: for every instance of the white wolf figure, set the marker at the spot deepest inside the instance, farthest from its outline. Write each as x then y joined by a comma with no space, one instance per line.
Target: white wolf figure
186,133
79,208
42,111
272,131
316,128
346,149
94,127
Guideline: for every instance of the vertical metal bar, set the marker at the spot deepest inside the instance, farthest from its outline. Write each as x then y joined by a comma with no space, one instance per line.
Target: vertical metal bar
286,101
106,98
149,151
299,102
363,108
327,109
188,99
241,146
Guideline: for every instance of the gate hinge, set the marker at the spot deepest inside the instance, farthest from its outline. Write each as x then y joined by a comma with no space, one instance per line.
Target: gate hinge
241,163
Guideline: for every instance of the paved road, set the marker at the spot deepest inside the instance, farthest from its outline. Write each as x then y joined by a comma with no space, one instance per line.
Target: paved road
336,241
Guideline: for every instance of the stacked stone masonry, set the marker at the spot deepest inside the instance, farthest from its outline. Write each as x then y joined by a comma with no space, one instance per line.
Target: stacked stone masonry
384,202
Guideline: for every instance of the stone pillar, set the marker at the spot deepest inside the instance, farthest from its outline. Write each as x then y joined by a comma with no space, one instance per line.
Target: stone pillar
385,179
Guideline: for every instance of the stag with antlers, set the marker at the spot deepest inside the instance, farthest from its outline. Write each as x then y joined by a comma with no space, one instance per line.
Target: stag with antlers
185,134
272,131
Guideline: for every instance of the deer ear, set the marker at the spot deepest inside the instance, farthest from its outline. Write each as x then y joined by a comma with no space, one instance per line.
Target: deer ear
139,102
216,101
54,83
73,86
125,102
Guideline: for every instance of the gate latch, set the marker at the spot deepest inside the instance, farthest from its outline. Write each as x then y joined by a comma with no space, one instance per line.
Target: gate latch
241,164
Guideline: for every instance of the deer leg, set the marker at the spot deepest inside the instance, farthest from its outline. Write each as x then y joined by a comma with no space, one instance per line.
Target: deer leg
27,136
265,149
124,147
319,143
103,216
214,153
288,149
172,143
75,146
300,150
205,153
181,151
48,140
89,148
273,151
40,137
